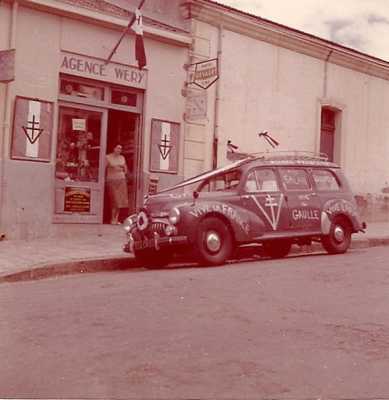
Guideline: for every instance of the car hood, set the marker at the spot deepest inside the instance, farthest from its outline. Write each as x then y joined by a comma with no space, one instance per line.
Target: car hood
160,204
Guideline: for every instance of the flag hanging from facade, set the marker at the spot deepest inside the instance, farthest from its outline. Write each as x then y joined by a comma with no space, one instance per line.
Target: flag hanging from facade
32,130
164,146
137,27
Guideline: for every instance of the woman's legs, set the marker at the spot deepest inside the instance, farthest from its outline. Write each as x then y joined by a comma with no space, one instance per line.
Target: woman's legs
115,215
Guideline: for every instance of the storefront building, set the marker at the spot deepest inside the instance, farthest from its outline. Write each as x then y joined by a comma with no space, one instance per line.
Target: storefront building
64,108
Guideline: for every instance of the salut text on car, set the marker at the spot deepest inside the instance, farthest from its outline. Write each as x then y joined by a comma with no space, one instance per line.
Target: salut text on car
271,201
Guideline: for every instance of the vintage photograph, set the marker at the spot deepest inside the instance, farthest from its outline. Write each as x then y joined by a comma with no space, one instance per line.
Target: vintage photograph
194,199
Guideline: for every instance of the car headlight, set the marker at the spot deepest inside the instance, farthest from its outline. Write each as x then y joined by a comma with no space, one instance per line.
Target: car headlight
174,216
128,223
142,220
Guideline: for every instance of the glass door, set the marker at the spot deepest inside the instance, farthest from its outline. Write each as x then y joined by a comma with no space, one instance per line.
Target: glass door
79,170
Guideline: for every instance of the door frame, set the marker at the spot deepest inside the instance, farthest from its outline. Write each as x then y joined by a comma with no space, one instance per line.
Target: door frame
69,217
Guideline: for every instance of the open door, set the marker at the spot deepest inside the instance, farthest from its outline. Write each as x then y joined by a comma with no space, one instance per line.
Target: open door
123,129
79,173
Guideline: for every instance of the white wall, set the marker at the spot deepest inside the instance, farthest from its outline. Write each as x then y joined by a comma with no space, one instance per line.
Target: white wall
28,194
267,87
365,127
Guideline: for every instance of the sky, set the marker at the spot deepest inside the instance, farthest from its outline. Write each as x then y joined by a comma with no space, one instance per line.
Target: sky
360,24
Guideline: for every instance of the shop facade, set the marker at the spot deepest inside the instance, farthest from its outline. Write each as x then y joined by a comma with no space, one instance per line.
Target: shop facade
66,108
63,107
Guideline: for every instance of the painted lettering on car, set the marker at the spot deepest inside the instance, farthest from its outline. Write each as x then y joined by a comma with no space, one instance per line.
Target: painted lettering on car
305,214
337,206
229,212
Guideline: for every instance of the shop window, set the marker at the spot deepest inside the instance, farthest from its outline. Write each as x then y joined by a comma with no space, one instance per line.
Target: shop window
70,87
123,98
78,148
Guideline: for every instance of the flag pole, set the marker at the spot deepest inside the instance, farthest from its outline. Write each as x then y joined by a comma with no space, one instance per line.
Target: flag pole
124,33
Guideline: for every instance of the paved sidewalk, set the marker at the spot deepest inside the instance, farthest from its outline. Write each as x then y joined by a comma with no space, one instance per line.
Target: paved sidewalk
101,250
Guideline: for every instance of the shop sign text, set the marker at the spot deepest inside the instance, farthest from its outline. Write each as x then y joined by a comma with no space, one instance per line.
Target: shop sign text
206,73
92,68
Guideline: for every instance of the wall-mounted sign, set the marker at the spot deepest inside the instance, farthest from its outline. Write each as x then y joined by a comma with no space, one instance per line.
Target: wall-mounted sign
205,73
7,65
89,67
153,185
32,129
79,124
77,199
164,144
196,106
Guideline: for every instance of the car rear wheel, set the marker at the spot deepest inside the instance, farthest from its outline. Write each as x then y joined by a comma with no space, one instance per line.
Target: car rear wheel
151,258
213,242
339,239
277,248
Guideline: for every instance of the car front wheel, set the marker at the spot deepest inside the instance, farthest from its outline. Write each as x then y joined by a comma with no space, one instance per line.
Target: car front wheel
339,239
213,242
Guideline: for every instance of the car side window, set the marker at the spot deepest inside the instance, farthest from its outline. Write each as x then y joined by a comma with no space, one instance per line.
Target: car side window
261,180
325,180
295,179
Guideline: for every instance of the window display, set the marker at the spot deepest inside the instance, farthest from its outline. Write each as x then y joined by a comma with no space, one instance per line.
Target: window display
78,150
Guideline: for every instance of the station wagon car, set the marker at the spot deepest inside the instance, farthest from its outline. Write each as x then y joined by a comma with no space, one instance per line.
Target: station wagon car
269,201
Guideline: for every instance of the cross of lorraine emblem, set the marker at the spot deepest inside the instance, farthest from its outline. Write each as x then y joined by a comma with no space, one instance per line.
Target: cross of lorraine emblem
32,130
164,147
272,215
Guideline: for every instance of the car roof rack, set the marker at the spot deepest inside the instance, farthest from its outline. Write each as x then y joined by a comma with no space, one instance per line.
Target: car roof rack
290,155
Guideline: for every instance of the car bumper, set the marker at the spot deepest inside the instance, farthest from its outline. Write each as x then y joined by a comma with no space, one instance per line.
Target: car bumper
155,243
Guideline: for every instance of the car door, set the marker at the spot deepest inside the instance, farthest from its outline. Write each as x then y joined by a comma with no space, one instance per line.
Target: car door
304,206
263,197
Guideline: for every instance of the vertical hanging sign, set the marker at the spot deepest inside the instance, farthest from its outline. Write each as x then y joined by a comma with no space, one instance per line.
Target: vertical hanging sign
32,129
164,146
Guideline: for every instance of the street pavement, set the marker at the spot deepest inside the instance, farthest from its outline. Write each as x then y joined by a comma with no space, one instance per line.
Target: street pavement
101,250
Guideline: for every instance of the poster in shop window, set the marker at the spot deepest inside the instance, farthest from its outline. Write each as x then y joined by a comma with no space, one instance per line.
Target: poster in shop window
165,143
77,199
32,129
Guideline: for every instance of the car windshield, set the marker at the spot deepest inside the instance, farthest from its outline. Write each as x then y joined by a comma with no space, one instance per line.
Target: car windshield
220,183
224,181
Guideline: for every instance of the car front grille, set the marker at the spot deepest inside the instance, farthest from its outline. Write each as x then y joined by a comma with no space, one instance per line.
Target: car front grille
157,227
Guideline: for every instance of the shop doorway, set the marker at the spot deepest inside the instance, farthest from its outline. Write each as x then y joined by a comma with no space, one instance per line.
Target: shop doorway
123,129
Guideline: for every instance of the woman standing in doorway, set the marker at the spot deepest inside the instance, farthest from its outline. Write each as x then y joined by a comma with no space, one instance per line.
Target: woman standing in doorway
116,182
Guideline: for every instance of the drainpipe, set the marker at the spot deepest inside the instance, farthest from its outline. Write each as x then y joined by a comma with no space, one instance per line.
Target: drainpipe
6,123
217,101
326,73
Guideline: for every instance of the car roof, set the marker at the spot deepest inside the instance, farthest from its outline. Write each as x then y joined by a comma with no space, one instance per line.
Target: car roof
287,158
292,160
